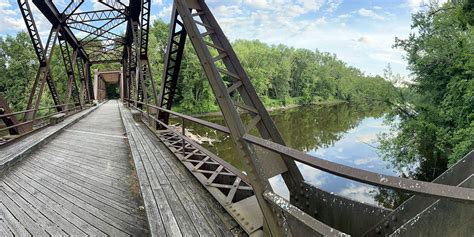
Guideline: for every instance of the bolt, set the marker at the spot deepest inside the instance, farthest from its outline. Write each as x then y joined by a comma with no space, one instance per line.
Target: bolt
378,230
386,224
394,218
315,212
246,223
307,203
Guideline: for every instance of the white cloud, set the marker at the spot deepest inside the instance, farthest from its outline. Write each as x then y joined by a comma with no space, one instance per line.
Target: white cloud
157,2
165,11
369,13
366,40
361,193
311,5
417,5
365,160
333,5
257,3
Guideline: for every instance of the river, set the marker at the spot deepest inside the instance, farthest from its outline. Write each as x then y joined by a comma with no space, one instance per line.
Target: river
342,133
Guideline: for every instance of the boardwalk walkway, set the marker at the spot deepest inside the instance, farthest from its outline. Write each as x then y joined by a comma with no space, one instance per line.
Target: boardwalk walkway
176,203
77,184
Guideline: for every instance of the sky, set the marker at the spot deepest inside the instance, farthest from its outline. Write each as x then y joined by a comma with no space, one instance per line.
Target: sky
359,32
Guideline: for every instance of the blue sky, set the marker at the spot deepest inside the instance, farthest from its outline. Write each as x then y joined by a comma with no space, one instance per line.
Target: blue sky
360,32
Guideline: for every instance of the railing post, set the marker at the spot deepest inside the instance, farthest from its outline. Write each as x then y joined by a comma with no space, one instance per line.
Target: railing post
184,134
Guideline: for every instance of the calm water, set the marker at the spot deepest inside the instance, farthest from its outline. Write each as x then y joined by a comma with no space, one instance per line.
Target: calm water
343,133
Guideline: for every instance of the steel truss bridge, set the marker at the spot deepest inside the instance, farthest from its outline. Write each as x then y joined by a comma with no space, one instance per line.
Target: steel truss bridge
81,181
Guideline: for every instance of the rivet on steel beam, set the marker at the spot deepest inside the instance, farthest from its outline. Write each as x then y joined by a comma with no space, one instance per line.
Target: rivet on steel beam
394,218
238,214
242,219
315,212
307,203
378,230
386,224
247,223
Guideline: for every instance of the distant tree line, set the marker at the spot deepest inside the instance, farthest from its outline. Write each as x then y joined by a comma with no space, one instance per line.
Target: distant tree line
280,74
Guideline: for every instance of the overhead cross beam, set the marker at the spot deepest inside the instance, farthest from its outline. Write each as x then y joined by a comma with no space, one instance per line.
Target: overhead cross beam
58,20
91,16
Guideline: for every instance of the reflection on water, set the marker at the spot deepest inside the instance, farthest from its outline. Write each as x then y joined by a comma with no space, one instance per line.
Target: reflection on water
343,133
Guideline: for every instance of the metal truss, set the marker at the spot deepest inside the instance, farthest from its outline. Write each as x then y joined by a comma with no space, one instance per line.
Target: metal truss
92,16
214,51
144,28
85,95
173,58
44,56
72,89
114,5
72,7
228,185
103,32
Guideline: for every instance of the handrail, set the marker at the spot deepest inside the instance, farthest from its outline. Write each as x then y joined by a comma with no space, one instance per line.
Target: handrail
36,119
31,110
363,176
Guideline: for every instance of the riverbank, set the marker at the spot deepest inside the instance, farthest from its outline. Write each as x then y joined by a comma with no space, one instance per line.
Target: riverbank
277,107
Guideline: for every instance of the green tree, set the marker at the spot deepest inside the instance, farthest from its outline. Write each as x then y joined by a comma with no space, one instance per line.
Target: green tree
435,125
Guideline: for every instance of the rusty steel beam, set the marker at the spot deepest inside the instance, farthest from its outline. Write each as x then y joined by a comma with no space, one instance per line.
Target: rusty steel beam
58,20
173,58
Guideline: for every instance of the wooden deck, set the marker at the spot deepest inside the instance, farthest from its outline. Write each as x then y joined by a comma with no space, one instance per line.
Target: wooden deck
176,203
77,184
106,175
20,147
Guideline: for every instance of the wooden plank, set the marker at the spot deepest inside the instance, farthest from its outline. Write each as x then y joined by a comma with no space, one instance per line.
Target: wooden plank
101,165
88,180
36,215
15,227
99,196
153,211
87,172
93,186
97,206
4,231
63,218
29,224
71,205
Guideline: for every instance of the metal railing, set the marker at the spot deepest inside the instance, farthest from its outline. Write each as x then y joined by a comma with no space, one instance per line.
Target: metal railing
40,121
